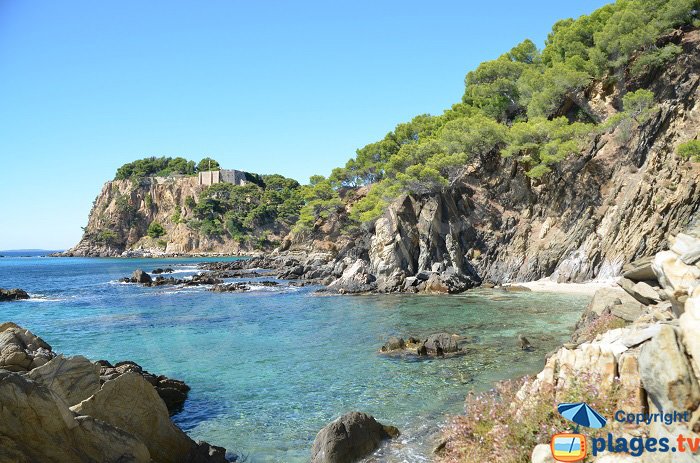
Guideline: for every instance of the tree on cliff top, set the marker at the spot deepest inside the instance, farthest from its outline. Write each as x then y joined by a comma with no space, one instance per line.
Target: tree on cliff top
164,167
208,164
528,104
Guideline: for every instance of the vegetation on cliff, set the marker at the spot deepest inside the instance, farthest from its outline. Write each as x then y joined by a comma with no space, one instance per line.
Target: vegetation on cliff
247,212
536,107
530,104
164,167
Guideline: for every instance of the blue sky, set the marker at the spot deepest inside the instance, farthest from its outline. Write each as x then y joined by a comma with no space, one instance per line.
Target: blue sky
264,86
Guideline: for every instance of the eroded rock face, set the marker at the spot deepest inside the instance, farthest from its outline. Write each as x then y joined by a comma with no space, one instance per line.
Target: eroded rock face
21,350
172,391
350,438
36,425
118,422
666,374
132,404
73,379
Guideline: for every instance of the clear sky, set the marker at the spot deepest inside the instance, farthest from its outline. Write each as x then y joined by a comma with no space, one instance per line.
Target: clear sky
289,87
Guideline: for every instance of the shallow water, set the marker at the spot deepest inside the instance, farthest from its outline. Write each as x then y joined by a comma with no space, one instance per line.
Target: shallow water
269,368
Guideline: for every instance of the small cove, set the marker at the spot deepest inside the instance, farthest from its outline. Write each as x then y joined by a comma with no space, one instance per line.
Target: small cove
269,368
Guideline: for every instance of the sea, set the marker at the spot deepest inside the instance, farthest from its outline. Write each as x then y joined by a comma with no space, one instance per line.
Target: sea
270,367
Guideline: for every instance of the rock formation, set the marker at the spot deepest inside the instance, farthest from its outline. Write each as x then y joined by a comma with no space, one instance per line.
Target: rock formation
613,204
13,294
68,409
649,364
350,438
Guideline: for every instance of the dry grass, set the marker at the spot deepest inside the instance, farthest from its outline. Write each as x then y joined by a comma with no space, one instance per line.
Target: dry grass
499,428
600,325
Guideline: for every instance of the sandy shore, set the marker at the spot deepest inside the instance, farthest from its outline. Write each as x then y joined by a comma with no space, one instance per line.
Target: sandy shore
546,285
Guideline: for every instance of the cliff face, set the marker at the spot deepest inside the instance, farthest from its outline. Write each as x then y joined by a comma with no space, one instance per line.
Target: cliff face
614,203
124,209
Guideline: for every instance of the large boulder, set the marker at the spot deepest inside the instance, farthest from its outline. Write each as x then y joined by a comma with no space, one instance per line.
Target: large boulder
689,324
172,391
350,438
21,350
673,274
355,279
666,374
37,426
13,294
73,379
641,291
639,270
132,404
139,276
448,342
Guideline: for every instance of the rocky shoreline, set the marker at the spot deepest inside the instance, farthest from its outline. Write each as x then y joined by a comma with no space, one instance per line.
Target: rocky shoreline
69,409
635,348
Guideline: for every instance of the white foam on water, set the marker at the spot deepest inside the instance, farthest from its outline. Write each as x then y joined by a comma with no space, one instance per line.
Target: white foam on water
40,298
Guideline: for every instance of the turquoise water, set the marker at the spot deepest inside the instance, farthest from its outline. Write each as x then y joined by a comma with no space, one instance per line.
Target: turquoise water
270,367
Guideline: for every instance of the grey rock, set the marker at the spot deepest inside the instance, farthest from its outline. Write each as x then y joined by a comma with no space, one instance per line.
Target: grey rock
410,282
13,294
448,343
637,337
139,276
692,255
350,438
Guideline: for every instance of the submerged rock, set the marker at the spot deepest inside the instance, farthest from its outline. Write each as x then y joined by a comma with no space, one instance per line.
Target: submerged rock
350,438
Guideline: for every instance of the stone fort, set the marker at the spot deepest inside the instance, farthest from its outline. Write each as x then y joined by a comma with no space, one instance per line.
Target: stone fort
212,177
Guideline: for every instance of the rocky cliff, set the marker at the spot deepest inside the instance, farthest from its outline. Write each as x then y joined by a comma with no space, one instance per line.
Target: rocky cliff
124,209
647,366
615,202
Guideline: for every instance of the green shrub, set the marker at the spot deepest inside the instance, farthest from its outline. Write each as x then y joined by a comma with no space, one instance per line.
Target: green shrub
208,164
654,58
155,230
689,150
190,203
154,166
176,217
106,237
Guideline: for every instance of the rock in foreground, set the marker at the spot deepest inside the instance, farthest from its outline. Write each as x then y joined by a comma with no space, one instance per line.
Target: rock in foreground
350,438
68,409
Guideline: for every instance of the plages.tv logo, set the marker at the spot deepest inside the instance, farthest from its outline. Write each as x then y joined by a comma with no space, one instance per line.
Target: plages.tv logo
570,447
